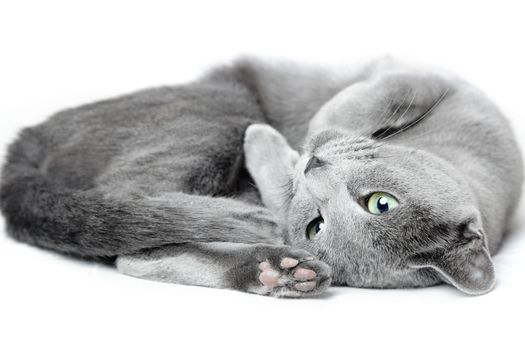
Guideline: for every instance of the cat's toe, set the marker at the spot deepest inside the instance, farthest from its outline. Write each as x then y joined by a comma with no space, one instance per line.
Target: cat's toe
269,278
288,263
305,286
294,275
302,274
311,277
272,278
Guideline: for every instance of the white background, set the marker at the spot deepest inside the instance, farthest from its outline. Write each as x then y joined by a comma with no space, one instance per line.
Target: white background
56,54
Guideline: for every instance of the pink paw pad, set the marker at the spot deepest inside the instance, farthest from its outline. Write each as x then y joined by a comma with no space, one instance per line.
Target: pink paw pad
288,263
304,274
271,277
305,286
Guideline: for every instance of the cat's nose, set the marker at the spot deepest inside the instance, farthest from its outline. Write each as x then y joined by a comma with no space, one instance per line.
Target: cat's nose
313,163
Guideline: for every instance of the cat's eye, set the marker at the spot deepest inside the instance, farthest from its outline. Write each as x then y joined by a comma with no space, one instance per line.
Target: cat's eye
315,227
381,202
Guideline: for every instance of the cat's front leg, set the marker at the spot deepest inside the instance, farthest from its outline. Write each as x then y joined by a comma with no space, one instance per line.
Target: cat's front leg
274,270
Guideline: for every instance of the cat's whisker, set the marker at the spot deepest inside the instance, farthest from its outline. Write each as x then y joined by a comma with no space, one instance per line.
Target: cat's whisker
381,123
401,117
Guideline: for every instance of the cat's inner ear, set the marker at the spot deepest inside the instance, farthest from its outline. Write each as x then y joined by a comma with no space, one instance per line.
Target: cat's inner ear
271,163
408,101
465,264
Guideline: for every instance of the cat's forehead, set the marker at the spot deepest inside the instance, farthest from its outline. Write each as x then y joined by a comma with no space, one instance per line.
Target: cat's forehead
366,166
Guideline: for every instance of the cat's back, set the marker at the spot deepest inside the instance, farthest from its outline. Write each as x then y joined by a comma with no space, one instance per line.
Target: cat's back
79,144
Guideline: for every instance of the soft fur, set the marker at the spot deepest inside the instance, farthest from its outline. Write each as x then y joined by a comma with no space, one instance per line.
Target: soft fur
163,180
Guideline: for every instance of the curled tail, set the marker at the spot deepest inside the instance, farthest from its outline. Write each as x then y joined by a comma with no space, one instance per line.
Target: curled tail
45,213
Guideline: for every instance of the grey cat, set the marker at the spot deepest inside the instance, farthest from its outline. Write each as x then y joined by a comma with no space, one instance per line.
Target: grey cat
406,178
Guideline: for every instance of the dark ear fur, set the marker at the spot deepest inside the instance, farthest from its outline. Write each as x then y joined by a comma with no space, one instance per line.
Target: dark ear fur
465,264
411,100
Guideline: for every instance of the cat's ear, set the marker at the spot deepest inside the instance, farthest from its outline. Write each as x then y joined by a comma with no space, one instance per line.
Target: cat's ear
465,264
270,162
408,99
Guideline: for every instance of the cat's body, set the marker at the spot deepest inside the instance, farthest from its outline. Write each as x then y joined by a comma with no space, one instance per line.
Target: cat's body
158,178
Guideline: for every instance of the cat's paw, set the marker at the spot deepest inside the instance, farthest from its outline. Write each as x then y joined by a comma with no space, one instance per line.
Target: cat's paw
292,273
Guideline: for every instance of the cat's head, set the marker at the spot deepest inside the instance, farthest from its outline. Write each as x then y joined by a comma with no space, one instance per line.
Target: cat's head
380,213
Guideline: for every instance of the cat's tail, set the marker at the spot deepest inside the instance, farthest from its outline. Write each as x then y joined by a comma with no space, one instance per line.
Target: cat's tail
45,213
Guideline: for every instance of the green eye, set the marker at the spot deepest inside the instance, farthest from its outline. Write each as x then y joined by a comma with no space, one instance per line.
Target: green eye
381,202
314,227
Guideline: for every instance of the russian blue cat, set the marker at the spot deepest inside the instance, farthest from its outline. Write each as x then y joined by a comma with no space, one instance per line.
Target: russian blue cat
276,180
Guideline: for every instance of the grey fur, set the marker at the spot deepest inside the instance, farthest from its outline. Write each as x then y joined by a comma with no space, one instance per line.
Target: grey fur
156,176
224,265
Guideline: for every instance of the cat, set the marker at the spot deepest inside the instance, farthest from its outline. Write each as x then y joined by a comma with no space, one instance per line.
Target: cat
276,179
